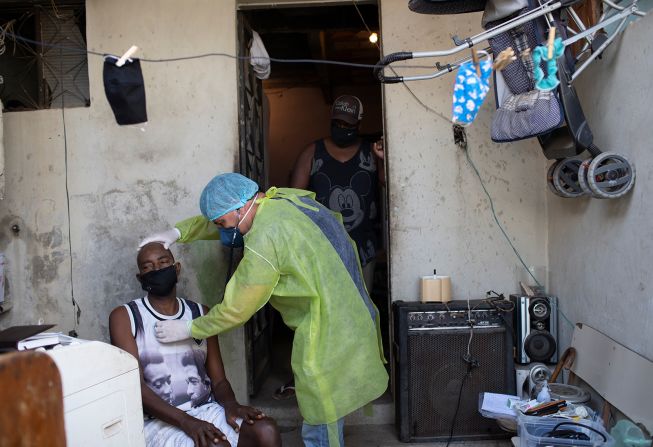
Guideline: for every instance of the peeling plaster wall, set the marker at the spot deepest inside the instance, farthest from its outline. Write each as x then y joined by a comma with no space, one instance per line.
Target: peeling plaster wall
123,183
439,215
601,251
37,262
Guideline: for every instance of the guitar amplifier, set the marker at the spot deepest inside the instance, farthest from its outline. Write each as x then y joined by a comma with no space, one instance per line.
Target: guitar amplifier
435,374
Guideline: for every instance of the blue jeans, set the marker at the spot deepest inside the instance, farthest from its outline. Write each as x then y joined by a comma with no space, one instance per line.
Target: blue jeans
318,435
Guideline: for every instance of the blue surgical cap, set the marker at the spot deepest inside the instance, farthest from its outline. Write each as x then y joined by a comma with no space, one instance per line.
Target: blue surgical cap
225,193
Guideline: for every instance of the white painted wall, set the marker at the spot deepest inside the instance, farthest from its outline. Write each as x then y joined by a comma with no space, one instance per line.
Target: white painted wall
439,215
123,183
601,251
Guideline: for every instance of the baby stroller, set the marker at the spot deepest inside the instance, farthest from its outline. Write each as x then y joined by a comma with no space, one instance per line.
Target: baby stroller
603,174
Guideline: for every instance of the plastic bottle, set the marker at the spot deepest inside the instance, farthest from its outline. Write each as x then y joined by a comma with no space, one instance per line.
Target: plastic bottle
627,434
544,395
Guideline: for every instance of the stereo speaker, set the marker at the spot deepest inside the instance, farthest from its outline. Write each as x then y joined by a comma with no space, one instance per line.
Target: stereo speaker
536,328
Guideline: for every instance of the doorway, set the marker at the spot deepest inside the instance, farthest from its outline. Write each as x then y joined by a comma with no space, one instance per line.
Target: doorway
296,106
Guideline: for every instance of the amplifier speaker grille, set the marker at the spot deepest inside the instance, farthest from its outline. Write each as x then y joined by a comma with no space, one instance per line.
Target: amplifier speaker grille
437,369
430,368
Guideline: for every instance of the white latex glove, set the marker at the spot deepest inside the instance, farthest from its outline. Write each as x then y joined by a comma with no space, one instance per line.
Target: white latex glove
167,238
169,331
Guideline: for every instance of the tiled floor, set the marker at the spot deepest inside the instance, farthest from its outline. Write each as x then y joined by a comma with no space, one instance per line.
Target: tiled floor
381,436
357,434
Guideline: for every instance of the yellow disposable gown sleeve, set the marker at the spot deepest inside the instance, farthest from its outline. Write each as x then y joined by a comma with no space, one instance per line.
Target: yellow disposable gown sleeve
247,291
197,228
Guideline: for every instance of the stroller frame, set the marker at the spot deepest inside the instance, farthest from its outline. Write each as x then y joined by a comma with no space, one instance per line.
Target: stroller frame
602,175
613,13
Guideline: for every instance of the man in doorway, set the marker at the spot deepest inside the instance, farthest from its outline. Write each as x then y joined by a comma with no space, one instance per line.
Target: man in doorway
345,173
201,417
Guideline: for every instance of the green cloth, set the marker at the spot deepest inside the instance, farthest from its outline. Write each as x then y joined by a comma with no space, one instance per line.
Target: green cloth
337,358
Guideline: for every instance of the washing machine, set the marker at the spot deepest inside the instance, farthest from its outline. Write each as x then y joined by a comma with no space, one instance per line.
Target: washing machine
102,394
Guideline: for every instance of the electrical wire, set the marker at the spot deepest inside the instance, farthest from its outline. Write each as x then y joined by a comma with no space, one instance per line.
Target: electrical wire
200,56
471,163
4,32
412,93
503,231
471,363
460,394
496,219
471,331
76,314
469,160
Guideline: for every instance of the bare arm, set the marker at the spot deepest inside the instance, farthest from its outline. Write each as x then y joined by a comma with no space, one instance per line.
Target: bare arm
222,391
202,433
301,173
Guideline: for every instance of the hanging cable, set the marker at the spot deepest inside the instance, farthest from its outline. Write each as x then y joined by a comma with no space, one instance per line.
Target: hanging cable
503,231
77,311
471,163
360,14
201,56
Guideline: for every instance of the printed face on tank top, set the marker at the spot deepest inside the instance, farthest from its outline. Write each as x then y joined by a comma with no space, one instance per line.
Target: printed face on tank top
176,372
350,189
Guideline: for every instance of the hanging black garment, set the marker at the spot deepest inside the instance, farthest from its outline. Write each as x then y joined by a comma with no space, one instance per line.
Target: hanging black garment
125,90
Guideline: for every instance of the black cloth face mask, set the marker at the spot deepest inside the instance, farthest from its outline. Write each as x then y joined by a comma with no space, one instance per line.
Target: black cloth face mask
125,91
343,137
160,282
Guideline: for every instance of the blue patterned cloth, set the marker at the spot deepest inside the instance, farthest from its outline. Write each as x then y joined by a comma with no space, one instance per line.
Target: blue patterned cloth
541,53
470,91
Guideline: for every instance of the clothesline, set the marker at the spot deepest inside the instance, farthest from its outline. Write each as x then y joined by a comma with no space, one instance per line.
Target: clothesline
4,32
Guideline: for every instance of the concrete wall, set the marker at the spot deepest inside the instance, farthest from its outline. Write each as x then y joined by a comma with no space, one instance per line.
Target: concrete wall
601,251
123,183
439,216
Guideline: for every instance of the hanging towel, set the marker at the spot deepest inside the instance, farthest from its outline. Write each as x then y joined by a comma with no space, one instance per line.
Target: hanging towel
125,90
260,59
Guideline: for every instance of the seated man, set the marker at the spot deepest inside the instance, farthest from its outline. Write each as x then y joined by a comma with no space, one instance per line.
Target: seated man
185,393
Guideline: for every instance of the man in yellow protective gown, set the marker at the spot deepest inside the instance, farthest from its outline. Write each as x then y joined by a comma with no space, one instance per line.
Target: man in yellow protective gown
298,256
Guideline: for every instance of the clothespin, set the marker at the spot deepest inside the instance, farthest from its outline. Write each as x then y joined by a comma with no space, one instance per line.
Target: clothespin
552,36
505,58
475,61
120,62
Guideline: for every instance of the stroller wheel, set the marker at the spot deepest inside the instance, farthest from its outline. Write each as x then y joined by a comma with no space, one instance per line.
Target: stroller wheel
565,178
549,178
610,176
582,178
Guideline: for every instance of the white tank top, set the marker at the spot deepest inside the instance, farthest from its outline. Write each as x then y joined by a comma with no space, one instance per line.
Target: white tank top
174,371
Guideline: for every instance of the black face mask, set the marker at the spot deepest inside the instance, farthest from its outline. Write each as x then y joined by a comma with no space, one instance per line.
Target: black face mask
160,282
343,137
